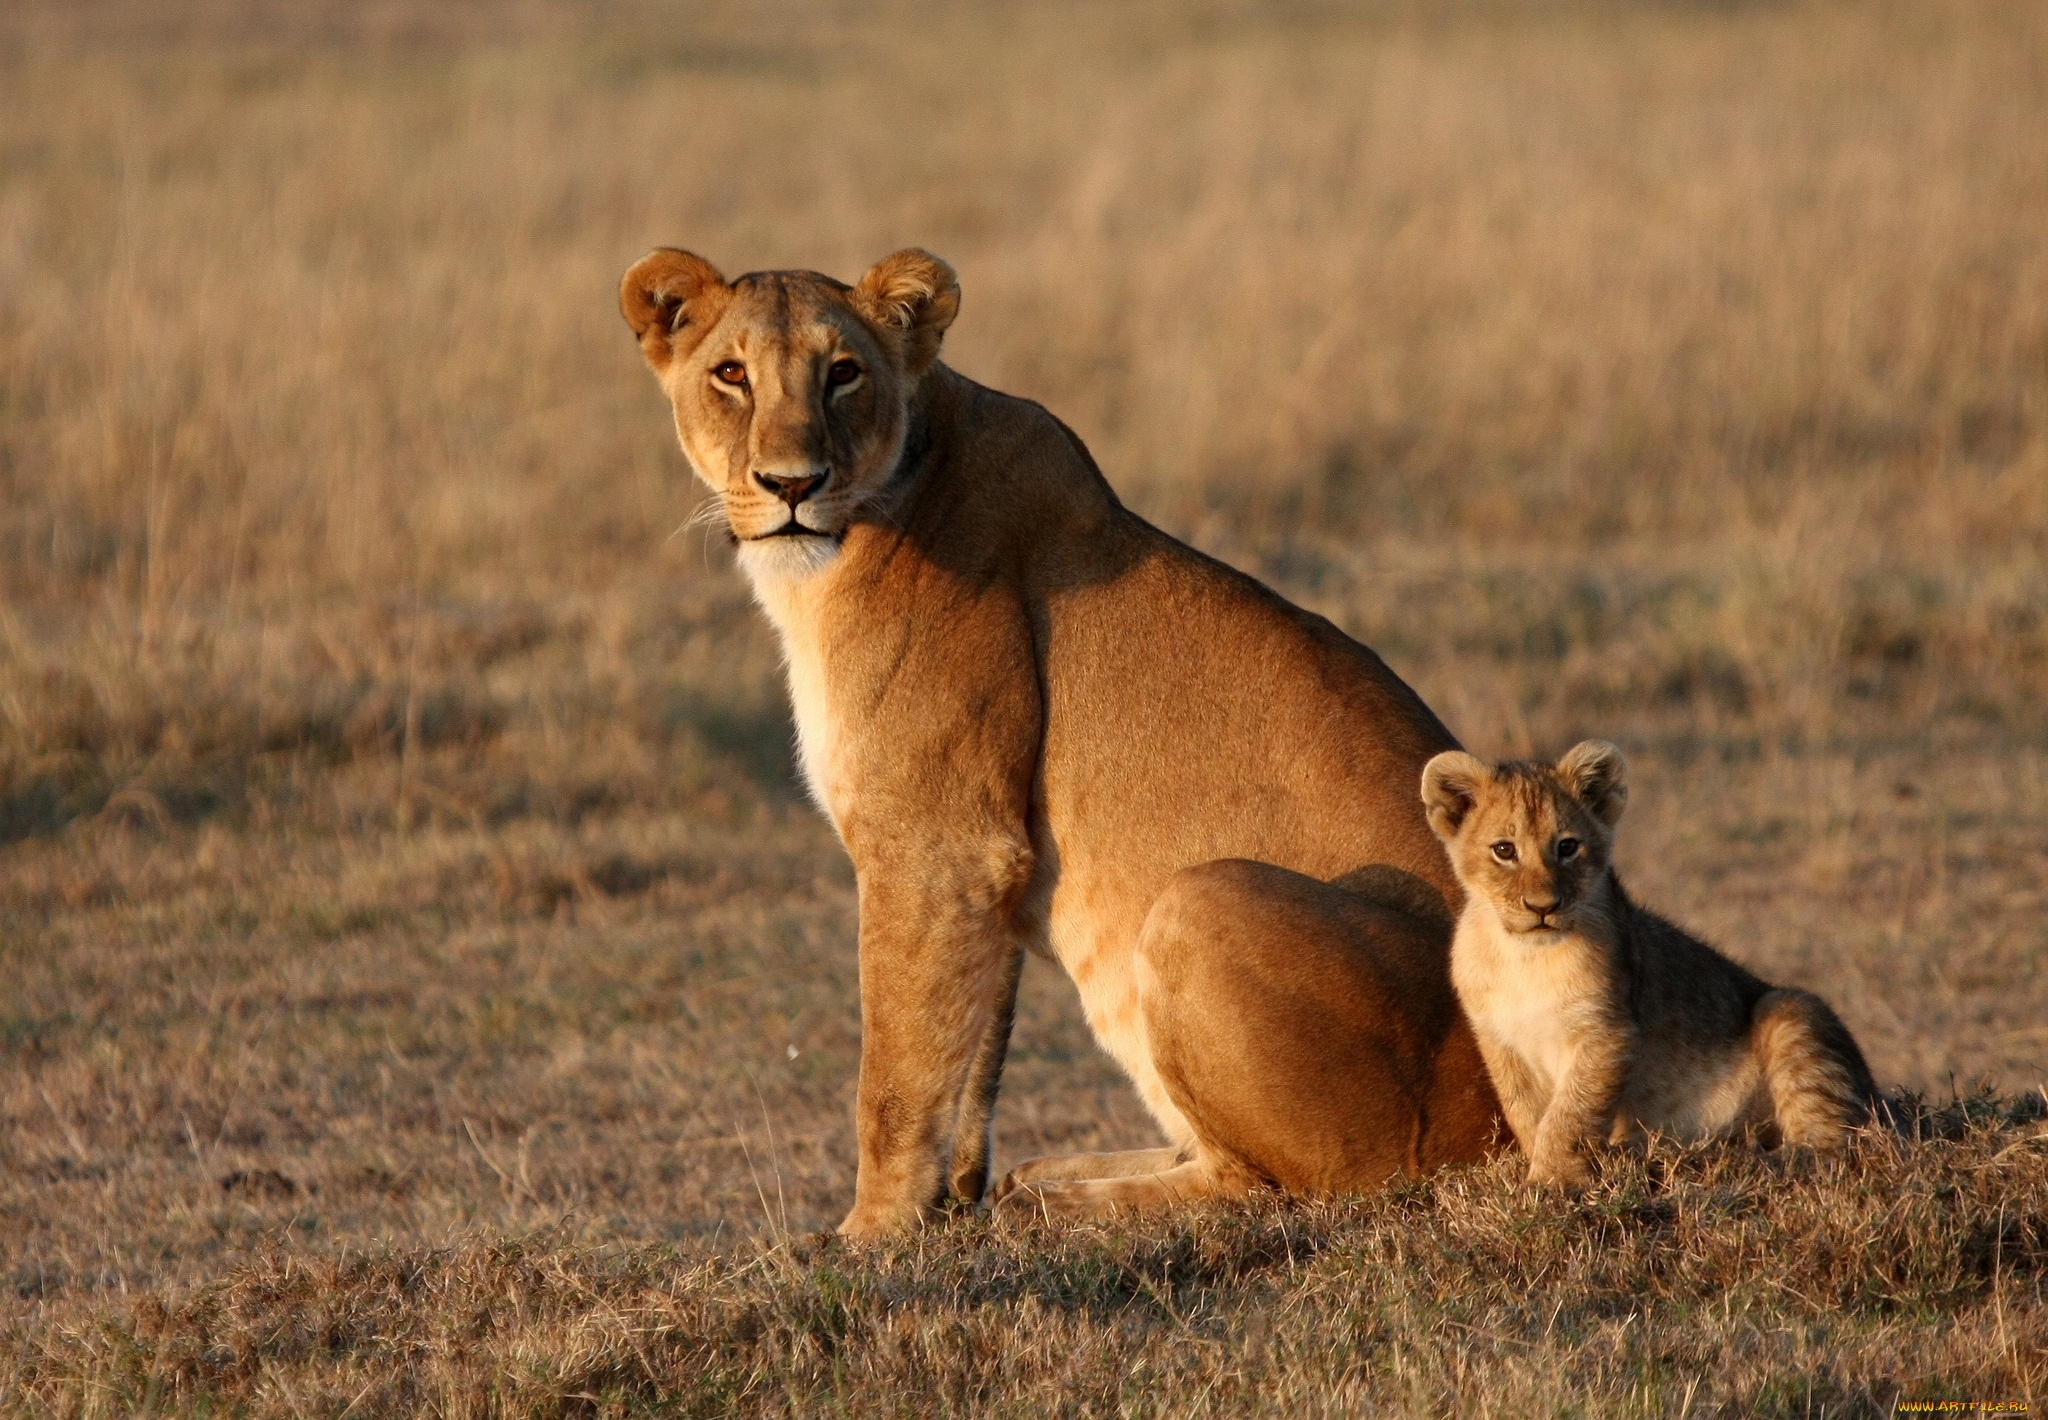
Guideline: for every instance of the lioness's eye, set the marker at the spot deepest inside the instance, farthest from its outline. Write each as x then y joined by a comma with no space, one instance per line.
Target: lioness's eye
1567,849
843,372
732,372
1505,851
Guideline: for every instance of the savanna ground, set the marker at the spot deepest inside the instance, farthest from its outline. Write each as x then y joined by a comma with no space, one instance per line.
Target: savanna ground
424,990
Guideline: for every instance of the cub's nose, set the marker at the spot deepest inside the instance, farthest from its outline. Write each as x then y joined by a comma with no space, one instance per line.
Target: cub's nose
792,488
1541,906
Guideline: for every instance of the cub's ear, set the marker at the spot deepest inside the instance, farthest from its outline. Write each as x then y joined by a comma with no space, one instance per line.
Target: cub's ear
1450,789
914,296
1597,773
663,293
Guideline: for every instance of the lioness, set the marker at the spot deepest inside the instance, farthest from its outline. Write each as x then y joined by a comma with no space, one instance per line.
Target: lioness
1026,710
1598,1018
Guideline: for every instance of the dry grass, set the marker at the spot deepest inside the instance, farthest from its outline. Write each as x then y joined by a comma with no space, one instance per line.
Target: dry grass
402,874
1709,1282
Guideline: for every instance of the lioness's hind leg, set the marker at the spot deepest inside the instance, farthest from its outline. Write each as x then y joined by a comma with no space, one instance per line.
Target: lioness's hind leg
1820,1086
1087,1197
1066,1168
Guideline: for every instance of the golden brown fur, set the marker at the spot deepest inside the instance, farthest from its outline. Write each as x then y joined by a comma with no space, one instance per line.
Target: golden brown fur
1302,1030
1599,1019
1026,711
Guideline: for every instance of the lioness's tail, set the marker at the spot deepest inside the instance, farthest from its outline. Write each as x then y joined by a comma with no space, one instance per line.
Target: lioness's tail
1820,1087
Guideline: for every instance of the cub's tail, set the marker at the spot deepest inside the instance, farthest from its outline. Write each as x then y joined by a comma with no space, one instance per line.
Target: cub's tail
1820,1087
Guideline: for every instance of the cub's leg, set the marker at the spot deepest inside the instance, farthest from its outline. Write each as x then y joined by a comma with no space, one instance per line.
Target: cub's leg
1060,1168
1819,1085
1581,1110
1522,1099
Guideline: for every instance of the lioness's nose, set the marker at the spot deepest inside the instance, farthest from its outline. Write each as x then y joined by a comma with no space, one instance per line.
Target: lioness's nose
792,488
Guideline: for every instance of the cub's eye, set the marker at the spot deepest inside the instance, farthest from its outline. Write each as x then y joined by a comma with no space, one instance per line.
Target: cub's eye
843,372
1567,849
1504,851
732,372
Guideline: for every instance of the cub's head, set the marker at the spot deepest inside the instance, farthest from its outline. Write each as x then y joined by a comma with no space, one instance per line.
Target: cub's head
791,391
1533,841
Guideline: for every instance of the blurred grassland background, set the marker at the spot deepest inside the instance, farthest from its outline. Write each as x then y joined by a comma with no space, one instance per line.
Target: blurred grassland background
397,826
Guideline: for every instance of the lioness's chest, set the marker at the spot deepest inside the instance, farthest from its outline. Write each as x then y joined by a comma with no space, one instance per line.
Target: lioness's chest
817,739
810,688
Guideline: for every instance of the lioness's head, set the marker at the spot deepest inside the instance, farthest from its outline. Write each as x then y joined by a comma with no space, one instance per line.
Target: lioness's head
791,391
1531,840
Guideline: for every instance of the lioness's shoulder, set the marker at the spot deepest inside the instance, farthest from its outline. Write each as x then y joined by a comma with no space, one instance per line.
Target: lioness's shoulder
1031,474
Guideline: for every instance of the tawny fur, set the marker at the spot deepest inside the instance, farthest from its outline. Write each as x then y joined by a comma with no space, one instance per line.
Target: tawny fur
1598,1019
1026,711
1303,1031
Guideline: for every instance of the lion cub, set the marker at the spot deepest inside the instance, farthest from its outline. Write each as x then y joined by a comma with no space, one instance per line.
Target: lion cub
1598,1019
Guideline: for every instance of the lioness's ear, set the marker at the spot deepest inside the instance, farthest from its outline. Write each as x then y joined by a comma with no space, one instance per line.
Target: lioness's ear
914,295
658,295
1450,788
1598,774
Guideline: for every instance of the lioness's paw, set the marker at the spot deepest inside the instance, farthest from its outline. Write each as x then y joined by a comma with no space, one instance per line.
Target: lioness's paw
1048,1200
1014,1200
1041,1170
870,1221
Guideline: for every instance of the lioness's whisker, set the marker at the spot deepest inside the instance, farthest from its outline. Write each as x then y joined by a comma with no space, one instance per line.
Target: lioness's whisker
709,513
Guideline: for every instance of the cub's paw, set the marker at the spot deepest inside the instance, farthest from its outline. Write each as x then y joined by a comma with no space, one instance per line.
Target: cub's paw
1560,1168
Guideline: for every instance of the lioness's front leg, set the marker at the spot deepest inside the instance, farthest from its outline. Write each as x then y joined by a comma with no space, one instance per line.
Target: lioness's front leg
938,972
973,1144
